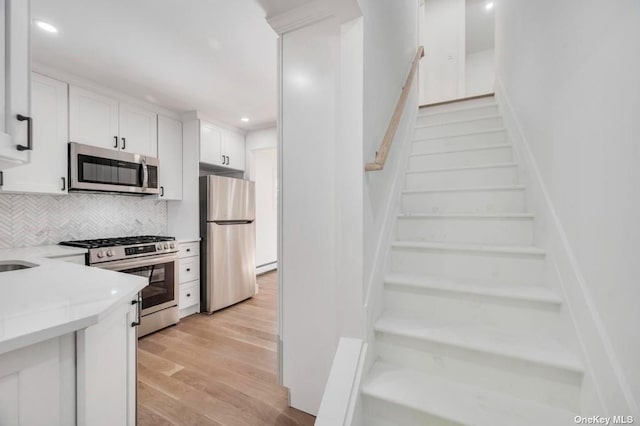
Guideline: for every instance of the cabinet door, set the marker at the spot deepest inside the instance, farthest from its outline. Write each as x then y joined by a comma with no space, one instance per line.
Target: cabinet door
210,144
37,384
170,157
233,148
47,170
106,370
138,130
93,119
16,81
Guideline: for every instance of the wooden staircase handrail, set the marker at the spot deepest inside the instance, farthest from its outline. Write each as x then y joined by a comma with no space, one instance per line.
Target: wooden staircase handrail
385,146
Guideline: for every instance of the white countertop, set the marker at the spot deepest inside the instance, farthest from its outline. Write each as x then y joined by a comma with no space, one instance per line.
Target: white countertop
51,252
56,297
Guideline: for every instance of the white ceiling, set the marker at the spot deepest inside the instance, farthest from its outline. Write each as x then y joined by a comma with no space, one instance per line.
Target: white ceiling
214,56
479,26
275,7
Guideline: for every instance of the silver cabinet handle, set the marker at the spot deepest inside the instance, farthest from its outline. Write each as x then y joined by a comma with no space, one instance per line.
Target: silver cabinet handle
64,184
139,307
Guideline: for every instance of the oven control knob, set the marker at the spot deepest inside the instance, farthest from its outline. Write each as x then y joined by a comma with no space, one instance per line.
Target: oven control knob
172,246
159,246
110,253
100,254
166,246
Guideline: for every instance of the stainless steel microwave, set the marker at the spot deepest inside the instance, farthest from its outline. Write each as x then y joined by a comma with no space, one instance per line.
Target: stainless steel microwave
106,170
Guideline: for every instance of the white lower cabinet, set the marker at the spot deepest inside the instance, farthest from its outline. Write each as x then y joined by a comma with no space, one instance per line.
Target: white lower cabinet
82,378
189,275
37,384
107,370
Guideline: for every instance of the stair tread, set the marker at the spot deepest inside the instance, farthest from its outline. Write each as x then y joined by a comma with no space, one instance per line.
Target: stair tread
470,133
457,402
462,120
475,148
452,169
537,349
467,215
506,291
470,247
467,189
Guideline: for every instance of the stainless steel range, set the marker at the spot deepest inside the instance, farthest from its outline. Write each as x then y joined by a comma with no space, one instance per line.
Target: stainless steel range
152,257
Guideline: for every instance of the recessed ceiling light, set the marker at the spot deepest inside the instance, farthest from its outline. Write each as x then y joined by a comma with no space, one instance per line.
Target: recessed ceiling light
244,119
45,26
489,5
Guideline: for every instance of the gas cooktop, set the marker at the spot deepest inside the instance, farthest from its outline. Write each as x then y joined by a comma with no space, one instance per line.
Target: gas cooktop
114,242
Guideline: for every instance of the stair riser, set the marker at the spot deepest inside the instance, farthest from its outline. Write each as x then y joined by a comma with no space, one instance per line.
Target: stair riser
552,386
465,114
380,412
495,201
496,176
459,127
477,266
502,314
461,159
459,142
498,231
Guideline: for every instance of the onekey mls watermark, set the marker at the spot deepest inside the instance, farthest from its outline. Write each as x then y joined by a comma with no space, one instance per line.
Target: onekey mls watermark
602,420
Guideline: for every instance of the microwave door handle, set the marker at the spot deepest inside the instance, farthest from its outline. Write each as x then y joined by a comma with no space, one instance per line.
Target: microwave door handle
145,175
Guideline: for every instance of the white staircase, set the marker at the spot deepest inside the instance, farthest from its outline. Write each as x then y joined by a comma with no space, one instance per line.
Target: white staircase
470,334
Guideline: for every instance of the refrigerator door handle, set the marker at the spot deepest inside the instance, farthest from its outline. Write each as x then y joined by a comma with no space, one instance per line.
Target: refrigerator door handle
233,222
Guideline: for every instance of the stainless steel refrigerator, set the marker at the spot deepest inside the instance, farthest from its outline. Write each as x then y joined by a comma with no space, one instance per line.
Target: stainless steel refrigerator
228,247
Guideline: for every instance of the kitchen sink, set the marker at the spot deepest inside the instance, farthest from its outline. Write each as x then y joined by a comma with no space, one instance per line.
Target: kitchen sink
15,265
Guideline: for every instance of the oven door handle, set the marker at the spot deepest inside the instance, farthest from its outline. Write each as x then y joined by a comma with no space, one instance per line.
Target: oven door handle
138,262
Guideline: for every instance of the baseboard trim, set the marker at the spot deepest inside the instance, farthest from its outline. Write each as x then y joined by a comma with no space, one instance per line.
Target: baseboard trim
267,267
189,311
604,372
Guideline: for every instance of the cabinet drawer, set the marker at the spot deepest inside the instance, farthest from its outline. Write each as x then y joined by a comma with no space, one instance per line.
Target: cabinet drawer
189,269
189,294
189,249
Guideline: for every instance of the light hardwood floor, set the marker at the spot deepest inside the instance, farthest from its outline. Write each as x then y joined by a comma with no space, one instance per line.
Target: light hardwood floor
217,370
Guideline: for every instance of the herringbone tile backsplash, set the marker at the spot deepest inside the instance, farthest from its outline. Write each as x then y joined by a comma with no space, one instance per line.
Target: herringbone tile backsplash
33,220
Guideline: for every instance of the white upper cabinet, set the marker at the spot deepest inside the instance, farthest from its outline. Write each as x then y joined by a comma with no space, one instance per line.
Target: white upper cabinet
221,147
99,120
47,171
15,82
210,144
233,148
170,155
93,119
138,130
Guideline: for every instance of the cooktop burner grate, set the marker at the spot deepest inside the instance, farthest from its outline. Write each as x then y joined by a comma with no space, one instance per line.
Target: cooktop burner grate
119,241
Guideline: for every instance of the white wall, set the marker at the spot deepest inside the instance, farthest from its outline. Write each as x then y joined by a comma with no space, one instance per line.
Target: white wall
261,166
390,43
259,139
570,70
321,190
264,167
480,72
443,38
